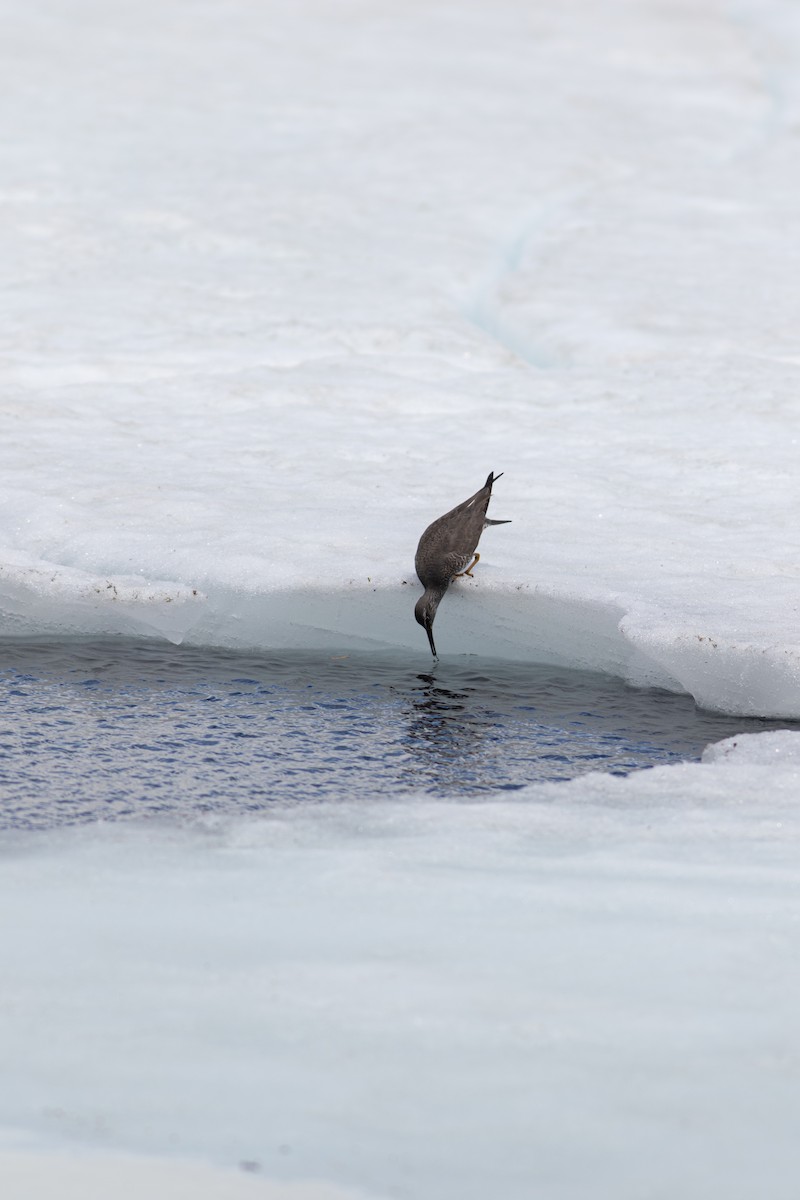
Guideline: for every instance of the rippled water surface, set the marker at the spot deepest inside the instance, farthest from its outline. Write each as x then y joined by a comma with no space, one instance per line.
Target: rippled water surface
92,730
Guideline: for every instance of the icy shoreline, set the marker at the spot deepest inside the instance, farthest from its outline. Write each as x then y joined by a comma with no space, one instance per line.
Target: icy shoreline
291,289
438,997
524,623
30,1175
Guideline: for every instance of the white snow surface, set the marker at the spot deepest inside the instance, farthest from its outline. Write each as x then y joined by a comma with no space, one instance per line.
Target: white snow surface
27,1175
284,282
590,990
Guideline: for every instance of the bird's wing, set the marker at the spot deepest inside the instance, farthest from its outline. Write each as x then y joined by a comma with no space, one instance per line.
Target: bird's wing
454,563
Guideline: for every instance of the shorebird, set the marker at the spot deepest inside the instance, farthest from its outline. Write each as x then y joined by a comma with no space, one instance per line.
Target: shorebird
445,550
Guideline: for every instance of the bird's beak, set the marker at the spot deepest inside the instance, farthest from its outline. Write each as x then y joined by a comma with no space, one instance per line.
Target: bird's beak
429,631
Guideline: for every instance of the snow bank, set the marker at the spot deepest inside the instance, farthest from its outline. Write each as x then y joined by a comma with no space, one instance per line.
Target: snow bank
587,990
31,1176
279,292
41,598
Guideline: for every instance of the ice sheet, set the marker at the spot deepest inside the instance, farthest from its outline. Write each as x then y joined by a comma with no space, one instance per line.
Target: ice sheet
283,284
588,990
27,1175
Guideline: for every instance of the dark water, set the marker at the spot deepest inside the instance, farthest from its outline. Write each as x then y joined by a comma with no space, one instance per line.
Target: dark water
91,730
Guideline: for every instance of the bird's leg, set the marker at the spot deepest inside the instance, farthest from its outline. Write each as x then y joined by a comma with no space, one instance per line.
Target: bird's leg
469,568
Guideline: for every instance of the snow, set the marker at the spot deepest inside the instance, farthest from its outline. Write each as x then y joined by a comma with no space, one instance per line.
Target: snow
590,989
26,1175
283,285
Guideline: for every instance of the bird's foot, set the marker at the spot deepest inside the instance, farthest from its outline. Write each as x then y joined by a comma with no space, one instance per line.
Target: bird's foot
469,569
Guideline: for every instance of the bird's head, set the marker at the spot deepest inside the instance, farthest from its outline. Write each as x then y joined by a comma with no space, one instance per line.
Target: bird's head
425,612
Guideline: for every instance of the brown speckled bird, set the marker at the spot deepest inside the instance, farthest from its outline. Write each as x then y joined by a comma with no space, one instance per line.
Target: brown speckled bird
446,551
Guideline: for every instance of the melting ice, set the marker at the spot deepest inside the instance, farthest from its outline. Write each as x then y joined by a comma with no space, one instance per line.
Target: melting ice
280,286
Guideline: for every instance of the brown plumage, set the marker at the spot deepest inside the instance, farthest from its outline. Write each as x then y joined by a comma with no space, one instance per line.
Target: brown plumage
446,549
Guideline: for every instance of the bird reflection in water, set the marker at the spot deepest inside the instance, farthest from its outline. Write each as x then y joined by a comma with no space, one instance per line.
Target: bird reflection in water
446,739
